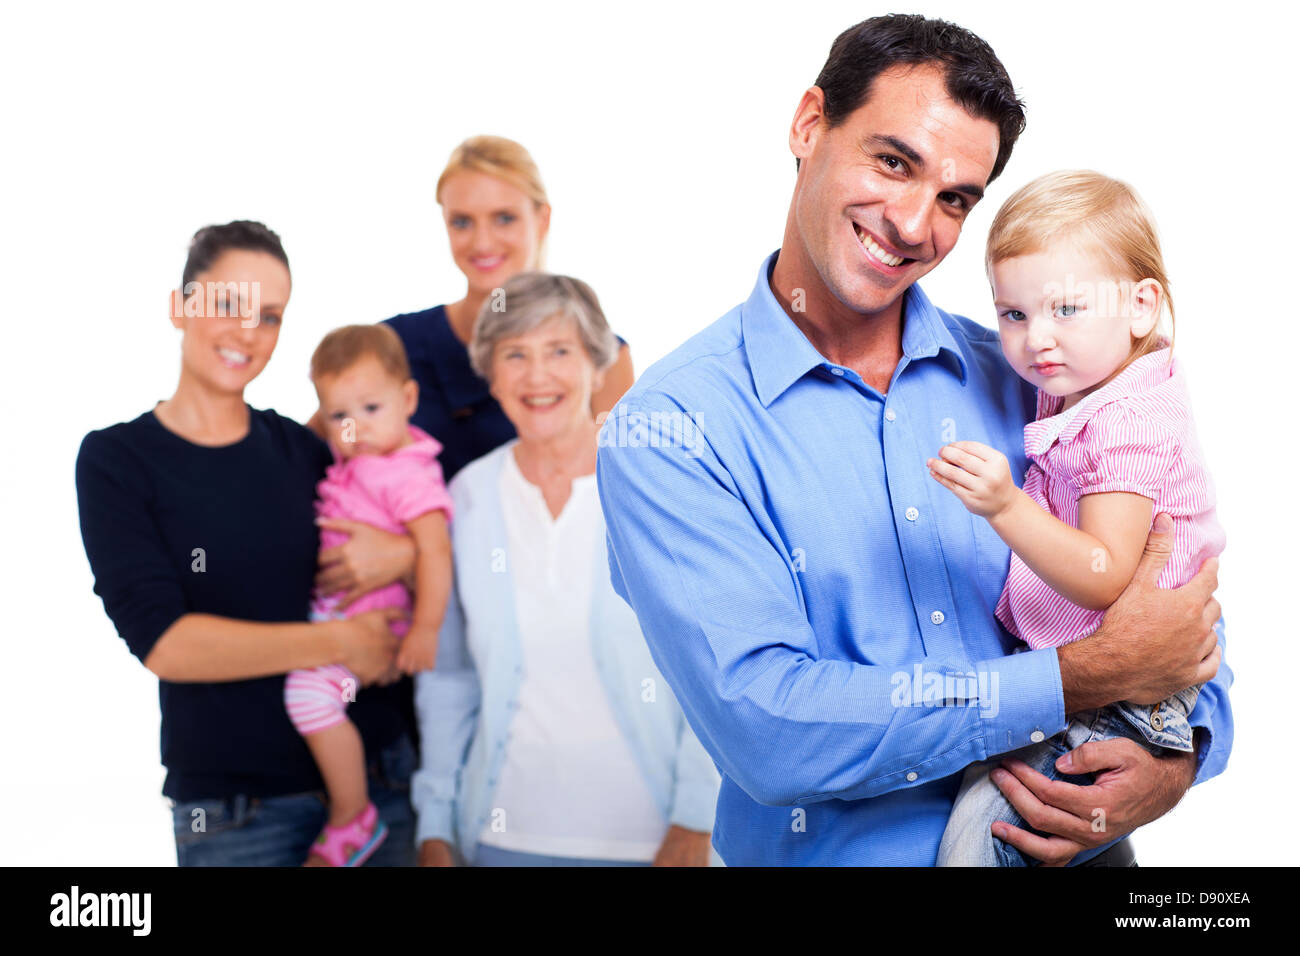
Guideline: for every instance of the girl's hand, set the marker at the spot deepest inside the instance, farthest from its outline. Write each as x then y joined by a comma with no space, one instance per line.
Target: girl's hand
419,650
369,559
977,474
367,646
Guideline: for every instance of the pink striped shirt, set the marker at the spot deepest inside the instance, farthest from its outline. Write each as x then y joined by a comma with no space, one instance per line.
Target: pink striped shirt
1133,434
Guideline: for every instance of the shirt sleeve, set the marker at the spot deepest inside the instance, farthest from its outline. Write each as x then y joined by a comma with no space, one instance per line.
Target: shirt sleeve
695,784
1213,716
1125,452
719,609
446,706
134,575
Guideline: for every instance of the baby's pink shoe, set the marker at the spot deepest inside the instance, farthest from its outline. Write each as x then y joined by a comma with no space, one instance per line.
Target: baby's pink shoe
353,843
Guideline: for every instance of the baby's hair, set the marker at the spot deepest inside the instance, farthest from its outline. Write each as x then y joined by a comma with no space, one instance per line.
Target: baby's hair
345,346
1093,211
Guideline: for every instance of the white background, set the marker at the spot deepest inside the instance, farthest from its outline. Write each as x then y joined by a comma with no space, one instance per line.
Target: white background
661,131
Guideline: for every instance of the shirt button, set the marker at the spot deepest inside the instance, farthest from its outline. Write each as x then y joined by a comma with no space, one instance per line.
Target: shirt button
1036,736
911,514
911,776
837,371
890,414
937,617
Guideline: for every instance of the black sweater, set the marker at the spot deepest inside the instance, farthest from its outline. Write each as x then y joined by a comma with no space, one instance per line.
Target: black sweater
173,528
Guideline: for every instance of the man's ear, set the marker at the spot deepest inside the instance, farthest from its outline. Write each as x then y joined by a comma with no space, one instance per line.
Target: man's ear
1144,303
809,118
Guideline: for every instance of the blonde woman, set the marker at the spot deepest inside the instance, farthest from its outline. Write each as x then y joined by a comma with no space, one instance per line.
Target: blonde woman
497,215
549,737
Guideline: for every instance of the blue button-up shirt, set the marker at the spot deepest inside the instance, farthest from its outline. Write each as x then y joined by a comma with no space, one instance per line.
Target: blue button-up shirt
821,607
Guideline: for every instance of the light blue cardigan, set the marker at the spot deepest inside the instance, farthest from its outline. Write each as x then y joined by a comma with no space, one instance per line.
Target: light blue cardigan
466,702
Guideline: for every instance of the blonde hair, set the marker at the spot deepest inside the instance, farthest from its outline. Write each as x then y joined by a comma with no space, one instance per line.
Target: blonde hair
505,160
1098,213
345,346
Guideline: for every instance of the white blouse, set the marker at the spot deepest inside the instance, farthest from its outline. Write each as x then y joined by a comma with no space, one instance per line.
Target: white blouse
570,785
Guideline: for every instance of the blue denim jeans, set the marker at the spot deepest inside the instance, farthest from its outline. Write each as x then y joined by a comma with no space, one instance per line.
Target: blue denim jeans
278,831
968,841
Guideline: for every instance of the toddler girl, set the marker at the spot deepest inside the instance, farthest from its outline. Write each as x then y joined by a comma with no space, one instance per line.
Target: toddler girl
1079,285
386,474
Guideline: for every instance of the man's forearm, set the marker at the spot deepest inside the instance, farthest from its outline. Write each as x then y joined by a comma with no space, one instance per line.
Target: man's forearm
1096,671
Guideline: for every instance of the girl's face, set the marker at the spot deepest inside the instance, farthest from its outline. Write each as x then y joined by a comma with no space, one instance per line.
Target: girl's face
1068,322
494,228
544,380
365,409
231,316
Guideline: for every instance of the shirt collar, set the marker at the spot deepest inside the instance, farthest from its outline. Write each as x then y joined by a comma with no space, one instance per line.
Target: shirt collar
1052,424
780,354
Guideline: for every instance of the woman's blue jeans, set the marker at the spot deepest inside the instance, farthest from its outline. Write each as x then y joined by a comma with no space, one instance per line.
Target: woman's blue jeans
278,831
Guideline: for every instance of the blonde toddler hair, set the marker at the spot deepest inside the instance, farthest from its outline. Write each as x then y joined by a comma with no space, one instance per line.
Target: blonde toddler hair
1097,213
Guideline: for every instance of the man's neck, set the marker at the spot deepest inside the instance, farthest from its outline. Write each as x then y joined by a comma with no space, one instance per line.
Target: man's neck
869,343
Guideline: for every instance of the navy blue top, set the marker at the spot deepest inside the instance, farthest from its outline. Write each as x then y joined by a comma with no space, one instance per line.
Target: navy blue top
455,406
172,528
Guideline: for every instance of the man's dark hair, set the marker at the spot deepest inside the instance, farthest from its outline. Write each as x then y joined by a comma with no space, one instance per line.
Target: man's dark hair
974,77
211,241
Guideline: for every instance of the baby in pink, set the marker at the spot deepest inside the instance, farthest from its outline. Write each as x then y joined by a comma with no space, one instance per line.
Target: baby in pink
385,474
385,491
1080,287
1134,434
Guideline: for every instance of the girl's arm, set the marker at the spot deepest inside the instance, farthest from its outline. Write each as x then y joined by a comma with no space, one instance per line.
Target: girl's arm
204,647
432,587
618,379
1089,565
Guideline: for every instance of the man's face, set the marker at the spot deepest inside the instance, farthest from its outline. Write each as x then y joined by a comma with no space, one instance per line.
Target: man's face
882,197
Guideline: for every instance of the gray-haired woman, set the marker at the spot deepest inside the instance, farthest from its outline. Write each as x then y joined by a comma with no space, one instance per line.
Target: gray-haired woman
549,737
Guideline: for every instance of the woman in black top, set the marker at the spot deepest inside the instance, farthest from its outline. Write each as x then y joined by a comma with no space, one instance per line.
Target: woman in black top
198,521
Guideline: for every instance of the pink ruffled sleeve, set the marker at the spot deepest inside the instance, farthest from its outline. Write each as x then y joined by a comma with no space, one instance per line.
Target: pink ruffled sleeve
1124,450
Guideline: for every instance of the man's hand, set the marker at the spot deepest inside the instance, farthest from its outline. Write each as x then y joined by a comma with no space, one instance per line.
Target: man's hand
682,847
977,474
1132,788
1152,642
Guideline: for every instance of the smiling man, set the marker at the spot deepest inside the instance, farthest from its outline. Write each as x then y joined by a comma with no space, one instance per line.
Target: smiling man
795,567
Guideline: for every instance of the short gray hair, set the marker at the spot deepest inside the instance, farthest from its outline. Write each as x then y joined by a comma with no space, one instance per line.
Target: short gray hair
527,300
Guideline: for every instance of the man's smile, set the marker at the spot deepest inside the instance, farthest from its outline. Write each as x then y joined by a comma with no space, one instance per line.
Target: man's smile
880,254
